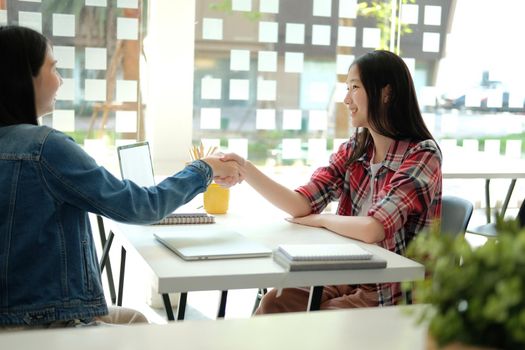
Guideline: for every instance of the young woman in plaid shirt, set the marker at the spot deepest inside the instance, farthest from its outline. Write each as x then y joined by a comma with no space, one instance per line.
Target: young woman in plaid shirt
387,178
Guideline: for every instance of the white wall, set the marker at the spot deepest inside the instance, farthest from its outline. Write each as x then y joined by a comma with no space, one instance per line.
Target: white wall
169,49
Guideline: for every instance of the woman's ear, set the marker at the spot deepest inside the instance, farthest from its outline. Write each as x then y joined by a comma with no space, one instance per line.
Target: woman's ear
385,94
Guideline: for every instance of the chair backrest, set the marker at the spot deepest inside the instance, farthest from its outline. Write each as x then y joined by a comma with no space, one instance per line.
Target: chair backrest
455,215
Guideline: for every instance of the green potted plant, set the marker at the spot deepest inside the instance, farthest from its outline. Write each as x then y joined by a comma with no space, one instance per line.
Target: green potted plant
475,296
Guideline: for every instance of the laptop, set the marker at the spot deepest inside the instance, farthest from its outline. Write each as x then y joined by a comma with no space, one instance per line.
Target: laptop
211,244
136,165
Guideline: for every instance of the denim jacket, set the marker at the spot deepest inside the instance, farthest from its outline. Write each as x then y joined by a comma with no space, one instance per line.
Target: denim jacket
49,270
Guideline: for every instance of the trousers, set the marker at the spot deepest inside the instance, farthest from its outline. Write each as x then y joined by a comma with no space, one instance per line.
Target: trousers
117,316
333,297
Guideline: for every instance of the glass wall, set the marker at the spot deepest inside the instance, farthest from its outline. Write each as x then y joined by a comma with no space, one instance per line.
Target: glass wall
267,77
269,74
97,44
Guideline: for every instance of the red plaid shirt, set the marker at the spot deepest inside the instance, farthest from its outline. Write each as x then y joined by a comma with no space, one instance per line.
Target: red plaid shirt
406,197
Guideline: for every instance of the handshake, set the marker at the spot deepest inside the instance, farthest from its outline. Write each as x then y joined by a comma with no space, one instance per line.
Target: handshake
228,169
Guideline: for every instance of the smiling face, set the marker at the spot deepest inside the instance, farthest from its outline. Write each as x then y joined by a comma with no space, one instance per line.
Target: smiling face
356,98
46,85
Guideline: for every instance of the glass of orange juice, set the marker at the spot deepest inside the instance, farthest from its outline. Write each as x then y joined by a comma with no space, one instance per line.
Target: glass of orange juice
216,199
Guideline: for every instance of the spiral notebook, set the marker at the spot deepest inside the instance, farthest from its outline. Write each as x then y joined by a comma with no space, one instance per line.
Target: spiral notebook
306,252
136,165
305,257
187,218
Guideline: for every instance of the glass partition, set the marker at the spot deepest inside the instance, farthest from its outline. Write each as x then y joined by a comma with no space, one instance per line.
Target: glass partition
97,44
269,74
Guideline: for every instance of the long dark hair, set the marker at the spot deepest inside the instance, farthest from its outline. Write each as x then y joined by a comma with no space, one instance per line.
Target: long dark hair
400,118
22,54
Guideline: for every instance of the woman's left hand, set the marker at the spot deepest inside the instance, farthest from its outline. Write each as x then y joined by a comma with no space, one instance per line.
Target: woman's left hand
314,220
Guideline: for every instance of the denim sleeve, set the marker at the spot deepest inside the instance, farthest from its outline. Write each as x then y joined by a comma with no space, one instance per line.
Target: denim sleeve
73,177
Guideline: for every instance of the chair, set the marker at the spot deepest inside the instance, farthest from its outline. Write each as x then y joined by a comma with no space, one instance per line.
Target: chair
104,261
455,215
489,230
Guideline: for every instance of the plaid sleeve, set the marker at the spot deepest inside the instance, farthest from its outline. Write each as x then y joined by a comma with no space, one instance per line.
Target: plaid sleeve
326,183
411,188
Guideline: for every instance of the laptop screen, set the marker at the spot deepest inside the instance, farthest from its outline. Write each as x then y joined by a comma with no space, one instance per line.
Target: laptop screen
135,163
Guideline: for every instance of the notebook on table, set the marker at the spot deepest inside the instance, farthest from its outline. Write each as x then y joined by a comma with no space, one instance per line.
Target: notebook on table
344,251
187,218
136,165
303,257
211,244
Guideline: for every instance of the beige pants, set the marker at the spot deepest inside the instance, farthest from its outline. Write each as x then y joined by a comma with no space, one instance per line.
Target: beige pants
334,297
116,316
121,316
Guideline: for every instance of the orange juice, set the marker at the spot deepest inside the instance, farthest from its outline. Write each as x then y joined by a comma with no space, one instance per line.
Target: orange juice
216,199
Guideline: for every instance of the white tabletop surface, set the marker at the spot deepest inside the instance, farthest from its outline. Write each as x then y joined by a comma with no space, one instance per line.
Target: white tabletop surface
170,273
373,328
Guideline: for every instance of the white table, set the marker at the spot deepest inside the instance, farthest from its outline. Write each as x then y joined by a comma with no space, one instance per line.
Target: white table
372,328
170,273
459,163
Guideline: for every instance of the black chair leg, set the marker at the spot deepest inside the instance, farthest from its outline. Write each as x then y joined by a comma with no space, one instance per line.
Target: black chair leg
222,305
507,197
260,294
121,276
105,252
104,261
487,200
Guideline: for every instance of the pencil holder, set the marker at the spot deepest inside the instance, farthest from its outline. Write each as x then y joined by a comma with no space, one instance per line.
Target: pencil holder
216,199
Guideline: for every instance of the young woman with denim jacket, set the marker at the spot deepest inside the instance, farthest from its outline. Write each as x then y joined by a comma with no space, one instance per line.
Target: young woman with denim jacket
49,274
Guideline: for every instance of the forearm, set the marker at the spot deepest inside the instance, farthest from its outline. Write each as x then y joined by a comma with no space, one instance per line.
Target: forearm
363,228
288,200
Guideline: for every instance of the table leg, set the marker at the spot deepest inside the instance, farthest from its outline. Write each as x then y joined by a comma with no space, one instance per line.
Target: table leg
222,305
181,310
487,199
507,197
314,302
121,276
167,306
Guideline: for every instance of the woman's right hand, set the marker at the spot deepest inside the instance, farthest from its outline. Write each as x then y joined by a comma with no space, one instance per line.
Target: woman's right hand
235,157
288,200
225,173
